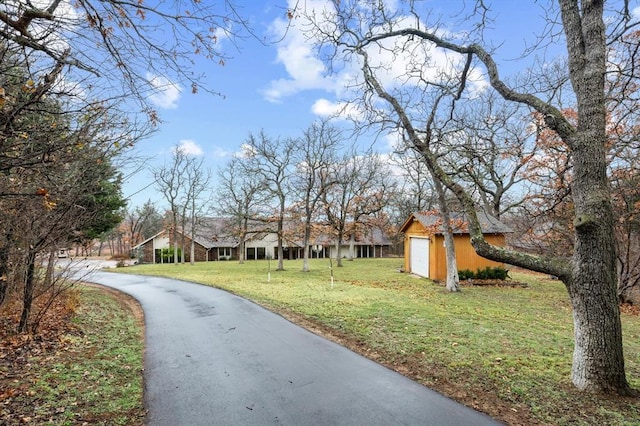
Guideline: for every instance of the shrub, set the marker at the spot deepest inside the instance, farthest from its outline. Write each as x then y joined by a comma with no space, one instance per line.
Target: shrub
499,273
483,274
489,273
167,254
466,274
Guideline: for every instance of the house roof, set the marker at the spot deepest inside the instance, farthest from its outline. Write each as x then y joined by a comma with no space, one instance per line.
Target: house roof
214,232
147,240
373,236
459,221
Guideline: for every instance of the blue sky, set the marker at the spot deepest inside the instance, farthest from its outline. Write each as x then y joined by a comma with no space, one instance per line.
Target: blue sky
215,126
279,88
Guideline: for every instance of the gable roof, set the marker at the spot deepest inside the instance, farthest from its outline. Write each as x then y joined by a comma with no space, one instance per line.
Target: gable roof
214,232
148,239
374,236
432,219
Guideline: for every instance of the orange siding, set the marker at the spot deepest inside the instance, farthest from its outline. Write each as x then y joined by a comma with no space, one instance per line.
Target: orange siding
413,229
466,256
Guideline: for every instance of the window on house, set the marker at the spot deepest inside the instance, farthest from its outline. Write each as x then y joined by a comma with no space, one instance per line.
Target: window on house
261,253
363,251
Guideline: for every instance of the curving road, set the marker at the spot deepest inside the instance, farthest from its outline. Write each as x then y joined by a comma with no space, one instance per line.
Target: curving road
213,358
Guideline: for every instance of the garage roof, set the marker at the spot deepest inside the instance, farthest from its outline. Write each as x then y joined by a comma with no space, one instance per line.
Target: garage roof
432,219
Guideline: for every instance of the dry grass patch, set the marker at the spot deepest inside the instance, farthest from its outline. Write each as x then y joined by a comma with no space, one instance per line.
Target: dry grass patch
83,367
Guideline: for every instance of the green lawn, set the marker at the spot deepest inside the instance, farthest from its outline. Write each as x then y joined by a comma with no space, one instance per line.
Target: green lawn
506,351
90,375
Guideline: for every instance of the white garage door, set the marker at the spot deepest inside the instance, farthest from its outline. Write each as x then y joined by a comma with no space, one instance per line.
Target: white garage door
419,256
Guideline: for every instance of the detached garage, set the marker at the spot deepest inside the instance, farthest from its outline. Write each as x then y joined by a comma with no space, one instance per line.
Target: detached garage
424,251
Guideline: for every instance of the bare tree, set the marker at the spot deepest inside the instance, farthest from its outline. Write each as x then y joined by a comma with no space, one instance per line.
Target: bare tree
271,160
365,30
241,196
494,141
142,222
169,181
197,181
317,150
415,185
359,189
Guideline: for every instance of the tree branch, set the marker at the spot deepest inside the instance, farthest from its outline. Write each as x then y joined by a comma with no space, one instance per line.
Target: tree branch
555,117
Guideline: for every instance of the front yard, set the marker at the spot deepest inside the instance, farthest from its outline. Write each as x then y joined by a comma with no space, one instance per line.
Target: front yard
503,350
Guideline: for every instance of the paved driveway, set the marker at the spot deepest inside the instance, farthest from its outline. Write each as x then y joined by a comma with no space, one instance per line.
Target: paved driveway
213,358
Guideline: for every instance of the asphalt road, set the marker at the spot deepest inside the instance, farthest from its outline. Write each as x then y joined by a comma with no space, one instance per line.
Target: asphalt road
213,358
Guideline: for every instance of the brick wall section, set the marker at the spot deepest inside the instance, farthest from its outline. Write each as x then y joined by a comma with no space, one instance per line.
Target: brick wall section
147,252
200,252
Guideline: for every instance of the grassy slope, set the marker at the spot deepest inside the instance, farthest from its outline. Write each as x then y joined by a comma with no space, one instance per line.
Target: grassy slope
90,375
506,351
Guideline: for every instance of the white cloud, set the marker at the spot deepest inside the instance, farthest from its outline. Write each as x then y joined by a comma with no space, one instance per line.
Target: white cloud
166,93
305,70
65,15
395,140
245,151
399,63
325,108
189,147
219,152
401,66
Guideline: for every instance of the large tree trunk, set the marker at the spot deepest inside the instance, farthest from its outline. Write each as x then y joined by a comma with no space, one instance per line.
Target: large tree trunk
598,361
453,280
